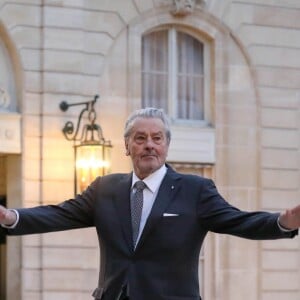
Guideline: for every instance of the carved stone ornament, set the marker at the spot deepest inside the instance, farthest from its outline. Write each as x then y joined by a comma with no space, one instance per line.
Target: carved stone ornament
182,8
4,98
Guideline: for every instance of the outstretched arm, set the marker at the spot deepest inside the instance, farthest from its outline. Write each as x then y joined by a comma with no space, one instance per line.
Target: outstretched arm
7,217
290,219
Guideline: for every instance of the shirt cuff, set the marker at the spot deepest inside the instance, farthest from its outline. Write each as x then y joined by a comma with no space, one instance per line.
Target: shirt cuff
283,229
16,223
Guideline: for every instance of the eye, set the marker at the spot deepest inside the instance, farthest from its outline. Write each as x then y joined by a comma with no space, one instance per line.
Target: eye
139,138
157,139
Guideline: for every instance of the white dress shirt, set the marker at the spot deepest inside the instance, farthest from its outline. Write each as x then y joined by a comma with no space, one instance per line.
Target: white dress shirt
153,183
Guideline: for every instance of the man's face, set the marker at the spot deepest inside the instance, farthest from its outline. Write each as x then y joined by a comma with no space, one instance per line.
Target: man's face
147,146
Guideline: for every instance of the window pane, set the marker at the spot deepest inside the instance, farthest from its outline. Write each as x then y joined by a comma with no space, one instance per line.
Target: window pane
190,104
155,70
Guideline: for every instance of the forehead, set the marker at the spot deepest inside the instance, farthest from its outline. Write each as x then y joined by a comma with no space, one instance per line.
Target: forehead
148,126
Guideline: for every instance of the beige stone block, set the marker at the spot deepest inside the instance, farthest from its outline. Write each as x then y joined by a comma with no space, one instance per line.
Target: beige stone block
237,254
31,279
26,37
275,57
284,245
31,59
58,148
66,258
236,136
50,188
70,279
36,2
243,198
279,199
31,192
71,83
31,103
280,138
97,43
239,115
31,257
235,285
31,240
66,39
115,83
144,5
237,15
236,167
280,77
13,14
239,77
269,36
64,17
290,295
107,22
275,16
280,260
31,148
280,179
280,158
58,169
67,295
280,118
77,40
240,97
126,9
29,295
73,62
279,98
275,3
31,169
31,126
280,281
33,81
85,237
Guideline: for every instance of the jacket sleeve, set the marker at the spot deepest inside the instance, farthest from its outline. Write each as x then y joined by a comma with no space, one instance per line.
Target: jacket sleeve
70,214
219,216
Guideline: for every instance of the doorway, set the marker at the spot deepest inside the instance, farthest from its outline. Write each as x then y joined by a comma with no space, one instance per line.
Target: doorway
10,248
2,256
2,234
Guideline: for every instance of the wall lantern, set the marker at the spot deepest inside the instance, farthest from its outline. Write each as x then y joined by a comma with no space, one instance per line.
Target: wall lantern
92,152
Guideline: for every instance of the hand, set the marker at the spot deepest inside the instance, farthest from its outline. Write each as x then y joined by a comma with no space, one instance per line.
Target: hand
290,219
7,217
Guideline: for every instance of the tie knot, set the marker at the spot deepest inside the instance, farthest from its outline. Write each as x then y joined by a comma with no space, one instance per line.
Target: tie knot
140,185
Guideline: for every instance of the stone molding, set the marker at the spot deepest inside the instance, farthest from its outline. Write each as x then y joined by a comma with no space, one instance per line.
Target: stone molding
4,99
10,133
181,8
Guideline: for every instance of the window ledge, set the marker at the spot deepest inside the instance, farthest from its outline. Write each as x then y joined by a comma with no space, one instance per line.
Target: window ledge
192,144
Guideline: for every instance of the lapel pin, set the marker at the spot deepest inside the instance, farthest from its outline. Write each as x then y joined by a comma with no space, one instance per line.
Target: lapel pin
172,187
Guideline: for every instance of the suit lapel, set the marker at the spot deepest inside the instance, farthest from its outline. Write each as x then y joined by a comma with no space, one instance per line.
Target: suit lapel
166,194
122,204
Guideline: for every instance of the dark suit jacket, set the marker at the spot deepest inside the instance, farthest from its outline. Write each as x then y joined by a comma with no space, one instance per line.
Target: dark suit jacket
164,265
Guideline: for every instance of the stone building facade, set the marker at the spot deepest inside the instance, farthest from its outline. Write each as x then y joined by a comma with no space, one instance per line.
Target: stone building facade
54,50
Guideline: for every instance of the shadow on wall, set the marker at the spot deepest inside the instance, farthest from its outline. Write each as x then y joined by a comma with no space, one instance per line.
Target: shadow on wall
2,234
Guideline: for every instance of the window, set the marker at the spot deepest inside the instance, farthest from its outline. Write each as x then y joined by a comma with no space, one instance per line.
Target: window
173,73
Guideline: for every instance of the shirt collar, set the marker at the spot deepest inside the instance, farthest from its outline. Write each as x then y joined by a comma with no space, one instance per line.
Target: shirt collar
153,180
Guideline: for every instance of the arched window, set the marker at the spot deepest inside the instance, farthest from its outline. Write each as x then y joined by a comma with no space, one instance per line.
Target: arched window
173,74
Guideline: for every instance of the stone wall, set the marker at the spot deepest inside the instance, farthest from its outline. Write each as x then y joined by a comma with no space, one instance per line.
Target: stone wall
71,50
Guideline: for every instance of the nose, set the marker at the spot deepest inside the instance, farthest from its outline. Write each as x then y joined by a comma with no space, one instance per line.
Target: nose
149,143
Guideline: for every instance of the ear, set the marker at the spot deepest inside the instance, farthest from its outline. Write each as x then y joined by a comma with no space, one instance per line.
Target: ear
126,147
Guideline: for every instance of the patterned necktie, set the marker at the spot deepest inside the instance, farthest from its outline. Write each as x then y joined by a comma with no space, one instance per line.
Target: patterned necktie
136,209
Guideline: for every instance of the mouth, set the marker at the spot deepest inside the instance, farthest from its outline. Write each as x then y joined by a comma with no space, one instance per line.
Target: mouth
148,156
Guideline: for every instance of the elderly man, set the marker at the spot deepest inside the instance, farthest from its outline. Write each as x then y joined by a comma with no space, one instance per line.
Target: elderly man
151,223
